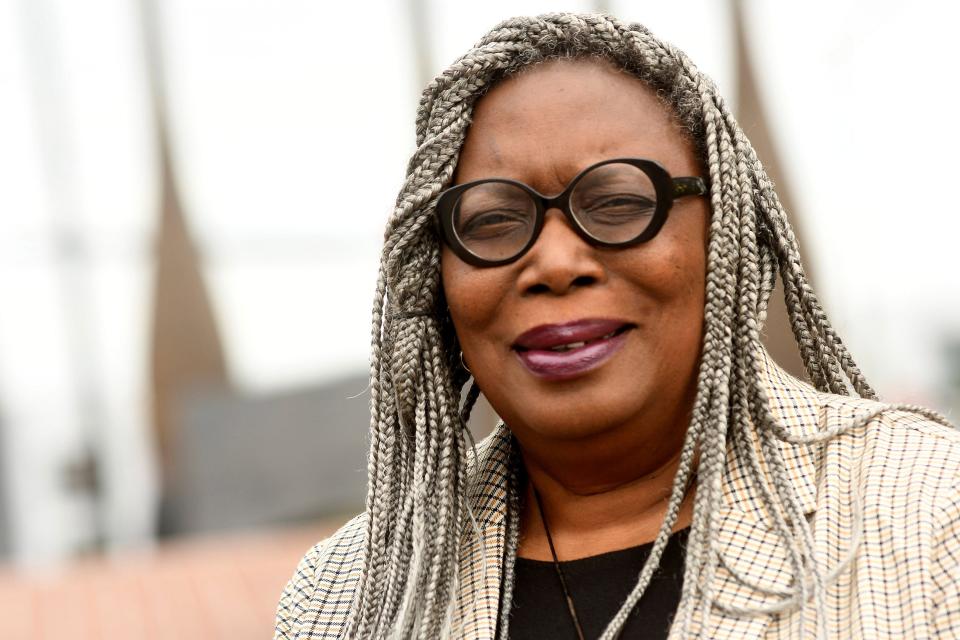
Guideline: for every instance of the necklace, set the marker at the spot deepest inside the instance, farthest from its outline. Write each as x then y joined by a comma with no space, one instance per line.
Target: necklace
556,565
556,562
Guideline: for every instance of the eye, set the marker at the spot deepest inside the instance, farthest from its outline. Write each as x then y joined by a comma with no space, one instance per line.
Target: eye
620,208
615,201
492,224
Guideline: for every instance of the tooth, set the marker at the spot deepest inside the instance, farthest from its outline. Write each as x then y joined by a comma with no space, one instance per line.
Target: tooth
568,347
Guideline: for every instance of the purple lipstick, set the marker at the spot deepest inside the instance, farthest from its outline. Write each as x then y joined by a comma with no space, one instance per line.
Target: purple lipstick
561,351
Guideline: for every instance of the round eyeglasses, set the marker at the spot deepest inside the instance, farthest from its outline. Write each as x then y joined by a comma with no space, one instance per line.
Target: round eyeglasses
614,203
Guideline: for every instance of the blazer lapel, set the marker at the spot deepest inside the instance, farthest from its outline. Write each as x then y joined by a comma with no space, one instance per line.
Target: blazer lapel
481,556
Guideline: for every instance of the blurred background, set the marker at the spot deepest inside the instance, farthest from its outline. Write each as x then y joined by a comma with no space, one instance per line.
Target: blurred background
192,197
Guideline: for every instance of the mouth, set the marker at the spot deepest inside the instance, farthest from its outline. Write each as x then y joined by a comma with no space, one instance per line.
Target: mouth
563,351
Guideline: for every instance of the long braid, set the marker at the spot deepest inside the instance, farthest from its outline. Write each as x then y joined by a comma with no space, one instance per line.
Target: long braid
788,510
418,501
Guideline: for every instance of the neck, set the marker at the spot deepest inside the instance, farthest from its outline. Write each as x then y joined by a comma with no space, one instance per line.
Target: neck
598,497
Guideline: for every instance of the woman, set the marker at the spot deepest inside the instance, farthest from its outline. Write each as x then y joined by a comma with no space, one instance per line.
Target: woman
615,328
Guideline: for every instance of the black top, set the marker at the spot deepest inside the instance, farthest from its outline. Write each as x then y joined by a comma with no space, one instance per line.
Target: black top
598,586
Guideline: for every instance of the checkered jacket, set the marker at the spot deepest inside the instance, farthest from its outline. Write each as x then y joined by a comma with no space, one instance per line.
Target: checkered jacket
904,581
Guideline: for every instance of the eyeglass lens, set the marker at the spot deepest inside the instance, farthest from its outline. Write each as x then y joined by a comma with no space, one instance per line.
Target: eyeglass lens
614,203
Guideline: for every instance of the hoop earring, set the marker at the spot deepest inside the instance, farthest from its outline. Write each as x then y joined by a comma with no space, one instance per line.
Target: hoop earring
464,364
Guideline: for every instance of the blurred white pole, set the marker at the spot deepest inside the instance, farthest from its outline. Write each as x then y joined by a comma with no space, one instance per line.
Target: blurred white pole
80,474
601,6
419,20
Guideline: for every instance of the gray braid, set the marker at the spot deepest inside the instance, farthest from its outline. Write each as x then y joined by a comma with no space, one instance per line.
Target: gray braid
418,500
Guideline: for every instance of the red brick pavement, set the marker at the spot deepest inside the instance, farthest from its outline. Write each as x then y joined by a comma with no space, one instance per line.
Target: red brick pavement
211,589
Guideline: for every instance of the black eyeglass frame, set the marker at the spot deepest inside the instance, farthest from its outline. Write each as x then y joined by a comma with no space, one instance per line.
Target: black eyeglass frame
666,187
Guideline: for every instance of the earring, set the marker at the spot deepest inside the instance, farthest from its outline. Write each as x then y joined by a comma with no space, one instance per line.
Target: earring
464,364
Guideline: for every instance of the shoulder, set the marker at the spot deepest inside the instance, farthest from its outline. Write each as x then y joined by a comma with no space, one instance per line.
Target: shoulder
320,592
902,462
909,469
316,601
894,432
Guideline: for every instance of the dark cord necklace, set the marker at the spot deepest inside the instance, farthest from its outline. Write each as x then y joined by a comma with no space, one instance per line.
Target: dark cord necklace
556,562
556,565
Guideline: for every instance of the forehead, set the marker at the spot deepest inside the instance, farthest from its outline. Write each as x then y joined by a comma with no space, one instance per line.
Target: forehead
545,124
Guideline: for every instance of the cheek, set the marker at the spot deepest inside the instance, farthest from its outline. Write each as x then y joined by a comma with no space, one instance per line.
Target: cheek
687,278
669,281
672,269
456,279
473,296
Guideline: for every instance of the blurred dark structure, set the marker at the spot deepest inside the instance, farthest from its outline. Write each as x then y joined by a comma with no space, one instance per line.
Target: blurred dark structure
230,461
241,462
186,349
253,461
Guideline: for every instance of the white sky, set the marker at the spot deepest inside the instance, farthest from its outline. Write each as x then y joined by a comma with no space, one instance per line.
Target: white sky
292,124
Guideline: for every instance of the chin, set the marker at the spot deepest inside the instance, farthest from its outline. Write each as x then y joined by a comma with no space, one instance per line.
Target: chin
566,417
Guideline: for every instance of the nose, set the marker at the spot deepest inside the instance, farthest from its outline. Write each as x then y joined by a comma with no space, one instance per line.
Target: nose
560,260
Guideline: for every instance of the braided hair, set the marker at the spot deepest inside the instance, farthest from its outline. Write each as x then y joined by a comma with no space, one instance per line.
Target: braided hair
418,486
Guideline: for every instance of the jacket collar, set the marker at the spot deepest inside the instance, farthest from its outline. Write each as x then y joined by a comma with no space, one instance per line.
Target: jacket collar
483,548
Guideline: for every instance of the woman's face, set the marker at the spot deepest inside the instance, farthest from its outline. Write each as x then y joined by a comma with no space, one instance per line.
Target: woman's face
542,127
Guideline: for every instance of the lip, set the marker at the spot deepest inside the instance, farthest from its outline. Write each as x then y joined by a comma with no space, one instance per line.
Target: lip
534,348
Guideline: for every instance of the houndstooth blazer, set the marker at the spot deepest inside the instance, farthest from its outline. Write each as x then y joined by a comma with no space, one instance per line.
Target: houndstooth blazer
904,581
